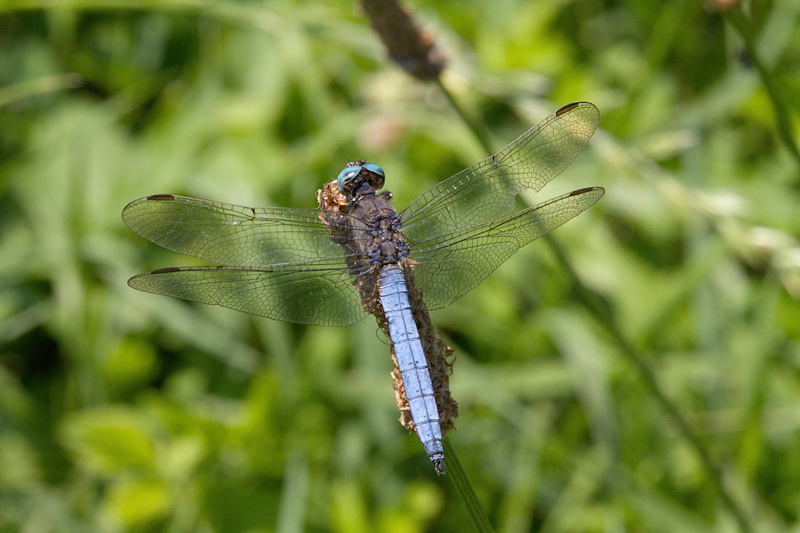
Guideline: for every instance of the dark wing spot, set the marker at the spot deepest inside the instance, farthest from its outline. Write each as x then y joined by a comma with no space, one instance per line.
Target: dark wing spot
567,108
582,191
167,270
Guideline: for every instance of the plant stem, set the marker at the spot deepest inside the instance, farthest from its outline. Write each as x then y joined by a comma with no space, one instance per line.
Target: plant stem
457,475
742,24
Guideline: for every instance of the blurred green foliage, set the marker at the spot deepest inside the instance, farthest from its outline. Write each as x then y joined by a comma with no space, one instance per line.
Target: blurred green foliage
122,411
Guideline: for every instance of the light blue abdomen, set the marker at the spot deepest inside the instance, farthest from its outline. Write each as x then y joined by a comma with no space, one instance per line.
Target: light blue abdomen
411,360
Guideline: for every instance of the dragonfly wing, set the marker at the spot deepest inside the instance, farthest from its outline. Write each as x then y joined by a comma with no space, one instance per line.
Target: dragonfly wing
486,190
449,266
227,234
323,295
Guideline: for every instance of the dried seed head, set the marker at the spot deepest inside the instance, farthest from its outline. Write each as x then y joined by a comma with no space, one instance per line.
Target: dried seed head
408,45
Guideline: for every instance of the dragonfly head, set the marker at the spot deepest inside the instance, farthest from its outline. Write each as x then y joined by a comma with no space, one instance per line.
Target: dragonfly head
358,172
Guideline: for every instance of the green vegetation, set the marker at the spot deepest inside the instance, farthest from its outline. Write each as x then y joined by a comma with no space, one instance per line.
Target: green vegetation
123,411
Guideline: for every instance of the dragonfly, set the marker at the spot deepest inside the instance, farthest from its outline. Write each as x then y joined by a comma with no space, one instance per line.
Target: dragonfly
356,254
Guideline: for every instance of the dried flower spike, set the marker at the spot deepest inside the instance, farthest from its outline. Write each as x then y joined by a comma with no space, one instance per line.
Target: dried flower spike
408,45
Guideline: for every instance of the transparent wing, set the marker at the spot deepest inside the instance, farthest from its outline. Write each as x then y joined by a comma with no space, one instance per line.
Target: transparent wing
277,262
323,296
451,265
486,190
227,234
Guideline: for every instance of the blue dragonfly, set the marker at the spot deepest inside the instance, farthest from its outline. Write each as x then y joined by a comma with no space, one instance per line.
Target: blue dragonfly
357,255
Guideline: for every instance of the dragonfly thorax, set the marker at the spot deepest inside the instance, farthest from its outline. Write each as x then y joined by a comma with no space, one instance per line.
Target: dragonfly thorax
357,173
389,242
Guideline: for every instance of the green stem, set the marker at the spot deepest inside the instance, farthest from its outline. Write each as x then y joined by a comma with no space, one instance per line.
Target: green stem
743,26
457,475
477,130
592,303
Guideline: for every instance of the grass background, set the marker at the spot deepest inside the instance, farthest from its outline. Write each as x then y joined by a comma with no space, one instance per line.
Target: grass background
122,411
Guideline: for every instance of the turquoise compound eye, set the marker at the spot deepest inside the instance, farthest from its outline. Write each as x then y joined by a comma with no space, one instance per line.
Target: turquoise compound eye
346,175
376,169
